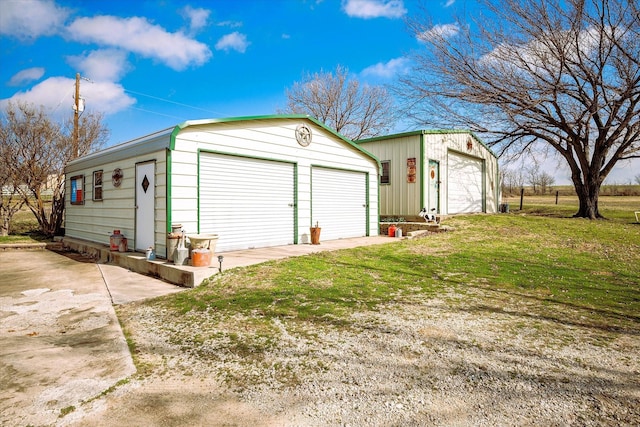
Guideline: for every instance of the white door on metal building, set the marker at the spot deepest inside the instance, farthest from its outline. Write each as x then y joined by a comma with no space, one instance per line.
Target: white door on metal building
145,205
464,184
248,202
339,203
434,187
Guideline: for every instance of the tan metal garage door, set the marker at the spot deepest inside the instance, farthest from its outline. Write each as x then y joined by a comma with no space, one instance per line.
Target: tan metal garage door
248,202
464,184
339,202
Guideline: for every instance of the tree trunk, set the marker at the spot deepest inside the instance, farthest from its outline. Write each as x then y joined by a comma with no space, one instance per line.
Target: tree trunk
8,208
4,225
588,194
50,222
57,215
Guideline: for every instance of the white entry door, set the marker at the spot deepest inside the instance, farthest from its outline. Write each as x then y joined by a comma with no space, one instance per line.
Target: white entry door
145,205
434,187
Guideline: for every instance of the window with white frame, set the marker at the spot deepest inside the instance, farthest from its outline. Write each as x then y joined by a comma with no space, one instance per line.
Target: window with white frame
97,185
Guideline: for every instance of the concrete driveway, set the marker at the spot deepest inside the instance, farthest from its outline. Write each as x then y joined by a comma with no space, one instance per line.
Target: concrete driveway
60,341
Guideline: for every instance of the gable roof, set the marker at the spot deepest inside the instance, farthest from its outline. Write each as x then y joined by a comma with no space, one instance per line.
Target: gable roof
178,128
428,132
165,139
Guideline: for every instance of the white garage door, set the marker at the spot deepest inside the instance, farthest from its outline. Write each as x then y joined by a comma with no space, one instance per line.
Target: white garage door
464,184
339,203
249,203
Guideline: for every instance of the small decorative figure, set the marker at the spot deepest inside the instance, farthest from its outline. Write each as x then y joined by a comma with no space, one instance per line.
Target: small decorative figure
428,216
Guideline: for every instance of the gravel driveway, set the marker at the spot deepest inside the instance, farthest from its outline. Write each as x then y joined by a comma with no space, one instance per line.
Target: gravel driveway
450,360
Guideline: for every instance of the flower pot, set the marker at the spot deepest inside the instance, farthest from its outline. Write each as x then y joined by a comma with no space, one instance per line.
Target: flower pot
315,235
201,258
202,241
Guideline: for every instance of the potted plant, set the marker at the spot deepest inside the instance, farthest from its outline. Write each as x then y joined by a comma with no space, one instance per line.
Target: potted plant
315,234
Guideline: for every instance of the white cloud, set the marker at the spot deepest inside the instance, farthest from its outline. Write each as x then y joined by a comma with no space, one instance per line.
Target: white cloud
139,36
107,97
56,95
31,19
234,41
101,65
437,31
374,8
198,18
449,3
230,24
387,70
26,76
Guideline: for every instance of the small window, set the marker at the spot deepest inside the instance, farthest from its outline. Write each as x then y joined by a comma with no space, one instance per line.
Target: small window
97,185
77,190
385,177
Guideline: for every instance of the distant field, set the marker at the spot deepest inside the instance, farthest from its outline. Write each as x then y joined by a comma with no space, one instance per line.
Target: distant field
612,207
569,190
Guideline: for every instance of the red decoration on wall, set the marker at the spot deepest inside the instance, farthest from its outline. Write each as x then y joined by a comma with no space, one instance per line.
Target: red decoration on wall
411,170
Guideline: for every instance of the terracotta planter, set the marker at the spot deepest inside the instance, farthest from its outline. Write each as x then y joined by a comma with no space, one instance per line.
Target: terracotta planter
202,241
315,235
201,258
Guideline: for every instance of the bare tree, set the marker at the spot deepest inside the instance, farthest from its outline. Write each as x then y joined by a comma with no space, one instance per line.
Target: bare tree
533,176
563,74
10,200
41,149
512,180
545,181
506,181
637,179
342,103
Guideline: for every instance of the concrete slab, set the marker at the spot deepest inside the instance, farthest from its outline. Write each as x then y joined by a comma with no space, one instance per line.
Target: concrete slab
243,258
60,339
126,286
188,276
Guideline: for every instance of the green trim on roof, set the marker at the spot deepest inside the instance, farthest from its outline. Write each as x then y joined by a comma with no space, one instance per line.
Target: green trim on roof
428,132
141,144
188,123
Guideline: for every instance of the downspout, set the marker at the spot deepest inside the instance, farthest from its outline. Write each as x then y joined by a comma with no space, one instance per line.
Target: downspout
368,222
498,187
422,170
169,178
168,200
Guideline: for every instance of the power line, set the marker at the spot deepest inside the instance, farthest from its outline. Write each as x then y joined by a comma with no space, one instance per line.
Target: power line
63,98
159,114
173,102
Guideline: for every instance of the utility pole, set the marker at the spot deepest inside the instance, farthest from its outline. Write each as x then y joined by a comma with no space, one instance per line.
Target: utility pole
76,117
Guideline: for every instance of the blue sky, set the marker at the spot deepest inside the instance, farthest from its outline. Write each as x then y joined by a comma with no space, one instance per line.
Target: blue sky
150,61
154,64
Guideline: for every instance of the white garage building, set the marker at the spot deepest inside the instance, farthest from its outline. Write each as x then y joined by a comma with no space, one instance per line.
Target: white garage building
448,172
253,181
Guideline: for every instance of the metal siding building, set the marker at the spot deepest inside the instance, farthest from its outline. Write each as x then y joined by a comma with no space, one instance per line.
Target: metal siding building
447,172
254,181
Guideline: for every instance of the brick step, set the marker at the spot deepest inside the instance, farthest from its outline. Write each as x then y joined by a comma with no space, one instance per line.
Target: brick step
413,229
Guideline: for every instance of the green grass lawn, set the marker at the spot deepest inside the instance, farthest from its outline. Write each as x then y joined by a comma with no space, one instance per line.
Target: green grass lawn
611,207
24,229
539,262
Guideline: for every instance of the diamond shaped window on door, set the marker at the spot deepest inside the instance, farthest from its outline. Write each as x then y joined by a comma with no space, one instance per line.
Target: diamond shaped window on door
145,183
